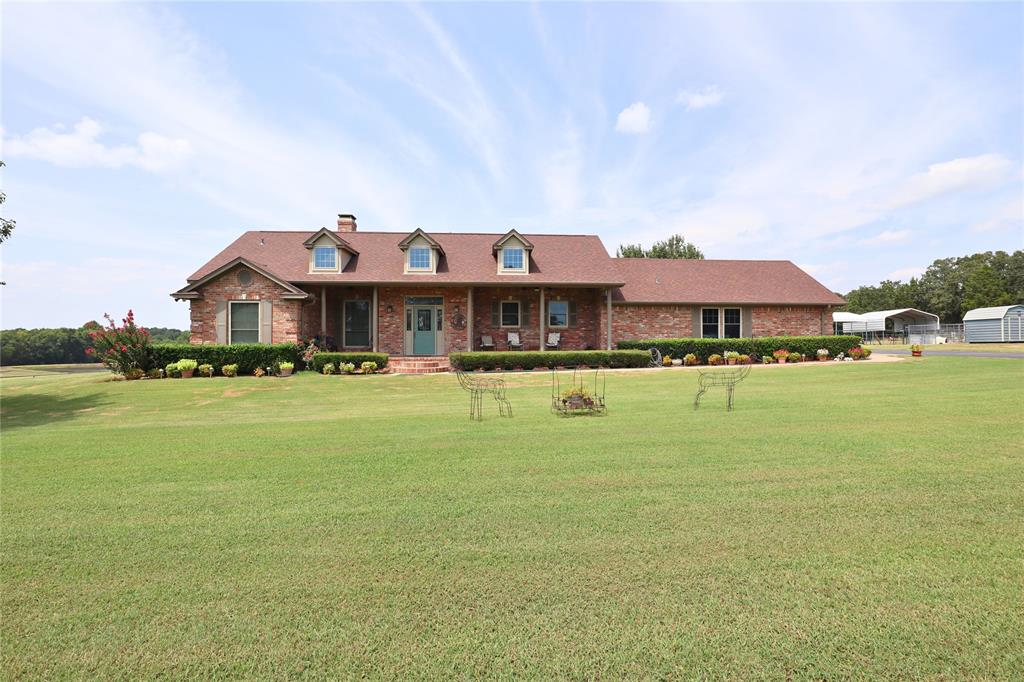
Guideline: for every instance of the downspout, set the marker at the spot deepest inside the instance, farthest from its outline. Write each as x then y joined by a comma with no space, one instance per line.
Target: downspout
608,297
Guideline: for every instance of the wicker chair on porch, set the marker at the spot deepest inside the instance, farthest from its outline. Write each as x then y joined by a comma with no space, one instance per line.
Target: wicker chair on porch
554,341
486,342
514,343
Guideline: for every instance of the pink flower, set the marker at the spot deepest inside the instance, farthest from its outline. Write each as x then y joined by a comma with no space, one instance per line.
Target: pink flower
124,349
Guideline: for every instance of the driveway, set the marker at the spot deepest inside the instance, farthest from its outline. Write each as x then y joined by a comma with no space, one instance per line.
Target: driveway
952,353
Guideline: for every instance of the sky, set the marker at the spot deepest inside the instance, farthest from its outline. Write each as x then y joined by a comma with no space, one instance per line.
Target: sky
860,141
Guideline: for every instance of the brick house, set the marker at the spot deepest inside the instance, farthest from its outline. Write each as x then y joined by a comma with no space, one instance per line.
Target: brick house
433,293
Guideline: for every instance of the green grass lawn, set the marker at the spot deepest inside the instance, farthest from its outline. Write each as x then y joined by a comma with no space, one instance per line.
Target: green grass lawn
849,520
960,347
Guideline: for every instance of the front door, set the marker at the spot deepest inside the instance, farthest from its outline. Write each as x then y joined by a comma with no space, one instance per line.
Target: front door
423,331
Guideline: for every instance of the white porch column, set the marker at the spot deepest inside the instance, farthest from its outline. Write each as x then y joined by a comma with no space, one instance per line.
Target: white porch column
608,298
543,341
373,320
323,314
469,319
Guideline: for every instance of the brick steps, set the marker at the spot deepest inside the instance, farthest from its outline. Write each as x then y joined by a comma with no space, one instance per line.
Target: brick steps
418,365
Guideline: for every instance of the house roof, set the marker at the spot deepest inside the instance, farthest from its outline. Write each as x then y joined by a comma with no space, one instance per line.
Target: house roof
191,290
569,260
993,313
779,282
333,236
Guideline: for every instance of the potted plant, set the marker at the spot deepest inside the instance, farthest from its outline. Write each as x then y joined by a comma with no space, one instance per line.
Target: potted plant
368,367
327,369
781,356
576,398
666,361
690,360
795,357
714,359
822,354
731,357
187,367
172,371
347,367
206,370
285,368
229,370
743,359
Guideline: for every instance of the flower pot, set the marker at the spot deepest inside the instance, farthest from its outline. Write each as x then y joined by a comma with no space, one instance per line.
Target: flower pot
286,372
916,353
782,361
822,358
187,373
731,361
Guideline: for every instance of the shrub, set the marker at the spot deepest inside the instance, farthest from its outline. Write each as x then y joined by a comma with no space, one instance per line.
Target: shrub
123,348
206,370
743,360
666,361
134,373
690,359
866,351
917,348
247,356
327,368
337,359
551,359
795,357
766,359
807,345
368,367
172,370
714,359
229,370
258,372
347,367
187,364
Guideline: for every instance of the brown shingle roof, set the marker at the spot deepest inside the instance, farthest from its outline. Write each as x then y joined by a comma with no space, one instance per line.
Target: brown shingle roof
653,280
579,260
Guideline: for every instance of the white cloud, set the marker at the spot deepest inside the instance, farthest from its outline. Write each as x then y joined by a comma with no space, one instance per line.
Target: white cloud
904,274
889,237
1009,215
80,148
634,119
971,173
708,96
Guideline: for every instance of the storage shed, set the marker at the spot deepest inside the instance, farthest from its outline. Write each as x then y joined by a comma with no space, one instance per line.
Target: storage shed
917,326
999,323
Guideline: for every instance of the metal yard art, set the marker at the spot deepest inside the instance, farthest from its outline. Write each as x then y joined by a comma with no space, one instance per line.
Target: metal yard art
720,377
477,387
583,395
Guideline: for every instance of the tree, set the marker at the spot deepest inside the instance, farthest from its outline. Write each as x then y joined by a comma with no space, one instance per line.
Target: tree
6,226
675,246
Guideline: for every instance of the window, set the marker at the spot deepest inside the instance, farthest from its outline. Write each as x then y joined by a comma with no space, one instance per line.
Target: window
325,258
419,258
731,325
558,314
512,258
357,323
510,313
244,321
709,323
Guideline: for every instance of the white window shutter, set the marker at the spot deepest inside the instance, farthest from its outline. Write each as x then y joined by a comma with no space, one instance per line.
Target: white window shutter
266,321
222,321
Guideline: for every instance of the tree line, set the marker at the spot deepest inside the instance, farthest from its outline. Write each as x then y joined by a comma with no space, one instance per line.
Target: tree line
949,287
62,345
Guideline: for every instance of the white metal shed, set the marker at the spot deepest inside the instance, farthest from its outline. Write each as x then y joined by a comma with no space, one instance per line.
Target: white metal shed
918,325
995,324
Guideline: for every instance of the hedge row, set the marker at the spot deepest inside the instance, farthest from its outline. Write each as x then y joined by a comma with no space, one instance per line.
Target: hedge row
321,359
248,356
552,358
765,345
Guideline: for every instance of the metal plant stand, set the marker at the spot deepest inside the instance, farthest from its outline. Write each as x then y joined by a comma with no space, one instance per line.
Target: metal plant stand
476,387
583,396
720,377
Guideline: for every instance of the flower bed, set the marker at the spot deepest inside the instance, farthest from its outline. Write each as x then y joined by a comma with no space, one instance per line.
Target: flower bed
549,359
247,356
765,345
357,359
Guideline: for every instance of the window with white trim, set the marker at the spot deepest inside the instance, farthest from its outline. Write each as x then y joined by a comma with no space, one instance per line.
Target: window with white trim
558,313
510,313
709,323
419,258
244,322
731,325
325,258
513,258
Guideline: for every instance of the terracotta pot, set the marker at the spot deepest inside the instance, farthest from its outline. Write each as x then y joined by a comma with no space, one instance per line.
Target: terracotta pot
731,361
916,353
187,373
286,372
781,361
822,358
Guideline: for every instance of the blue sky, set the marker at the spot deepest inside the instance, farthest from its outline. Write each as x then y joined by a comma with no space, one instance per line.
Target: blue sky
861,141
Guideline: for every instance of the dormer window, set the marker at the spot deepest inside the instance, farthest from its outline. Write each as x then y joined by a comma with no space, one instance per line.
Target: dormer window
325,258
512,258
420,258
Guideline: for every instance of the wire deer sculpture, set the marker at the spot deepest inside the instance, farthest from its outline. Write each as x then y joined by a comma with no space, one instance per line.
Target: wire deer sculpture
720,377
476,387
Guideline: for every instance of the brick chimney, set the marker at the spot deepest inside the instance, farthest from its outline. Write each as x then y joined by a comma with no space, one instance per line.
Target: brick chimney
346,222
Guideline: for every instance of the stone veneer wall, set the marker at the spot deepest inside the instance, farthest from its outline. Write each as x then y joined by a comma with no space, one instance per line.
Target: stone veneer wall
226,287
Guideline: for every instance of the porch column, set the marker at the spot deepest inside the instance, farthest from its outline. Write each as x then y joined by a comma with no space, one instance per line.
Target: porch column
373,320
469,319
543,341
608,298
323,314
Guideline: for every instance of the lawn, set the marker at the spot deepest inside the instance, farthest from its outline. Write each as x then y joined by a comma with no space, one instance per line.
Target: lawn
961,347
850,520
